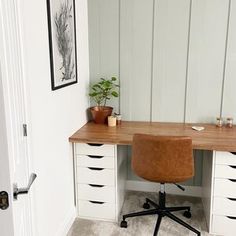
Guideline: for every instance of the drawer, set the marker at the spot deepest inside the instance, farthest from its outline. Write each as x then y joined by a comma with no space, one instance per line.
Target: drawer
97,210
223,225
101,176
95,149
101,193
225,171
226,158
96,161
224,188
224,206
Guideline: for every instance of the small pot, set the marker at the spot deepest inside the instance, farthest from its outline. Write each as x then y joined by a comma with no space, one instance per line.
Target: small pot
100,114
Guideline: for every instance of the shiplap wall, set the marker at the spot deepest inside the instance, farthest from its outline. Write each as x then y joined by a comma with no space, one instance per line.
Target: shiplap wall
176,59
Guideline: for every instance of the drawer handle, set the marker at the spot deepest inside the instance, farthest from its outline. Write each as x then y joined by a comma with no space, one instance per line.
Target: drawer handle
96,185
95,144
96,202
234,167
234,153
94,156
95,168
231,199
231,217
232,180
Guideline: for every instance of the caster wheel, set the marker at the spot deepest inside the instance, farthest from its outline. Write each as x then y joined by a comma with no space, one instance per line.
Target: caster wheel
146,206
187,214
123,224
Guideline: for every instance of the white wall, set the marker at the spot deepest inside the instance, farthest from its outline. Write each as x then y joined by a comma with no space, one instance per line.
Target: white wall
54,116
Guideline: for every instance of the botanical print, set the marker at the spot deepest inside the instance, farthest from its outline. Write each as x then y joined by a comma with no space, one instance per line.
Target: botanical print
65,40
62,35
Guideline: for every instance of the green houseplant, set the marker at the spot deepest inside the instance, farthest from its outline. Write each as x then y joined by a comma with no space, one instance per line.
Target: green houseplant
100,93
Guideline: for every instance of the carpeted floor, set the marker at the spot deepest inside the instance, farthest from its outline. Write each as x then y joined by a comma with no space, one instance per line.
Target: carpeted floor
144,225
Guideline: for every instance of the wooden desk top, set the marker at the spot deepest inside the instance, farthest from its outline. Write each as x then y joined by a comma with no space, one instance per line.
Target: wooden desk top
212,138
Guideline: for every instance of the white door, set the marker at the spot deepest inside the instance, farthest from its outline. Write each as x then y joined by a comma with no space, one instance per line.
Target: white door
15,167
6,217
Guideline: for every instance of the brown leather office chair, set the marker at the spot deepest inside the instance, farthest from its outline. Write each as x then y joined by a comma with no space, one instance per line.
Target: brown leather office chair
162,159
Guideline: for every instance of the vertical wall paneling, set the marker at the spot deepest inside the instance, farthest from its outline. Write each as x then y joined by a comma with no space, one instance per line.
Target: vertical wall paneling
104,41
206,60
136,58
198,160
170,54
229,99
119,111
225,58
152,55
187,58
130,174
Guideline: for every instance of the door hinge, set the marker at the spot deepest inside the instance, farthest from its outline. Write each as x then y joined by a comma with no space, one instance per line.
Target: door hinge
25,130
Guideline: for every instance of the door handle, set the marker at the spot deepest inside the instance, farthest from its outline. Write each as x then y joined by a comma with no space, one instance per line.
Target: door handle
95,156
17,191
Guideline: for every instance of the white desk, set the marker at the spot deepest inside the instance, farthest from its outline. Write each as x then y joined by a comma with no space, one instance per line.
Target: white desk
101,169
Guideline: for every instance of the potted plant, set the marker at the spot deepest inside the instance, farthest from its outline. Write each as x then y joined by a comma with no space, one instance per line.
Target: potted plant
100,93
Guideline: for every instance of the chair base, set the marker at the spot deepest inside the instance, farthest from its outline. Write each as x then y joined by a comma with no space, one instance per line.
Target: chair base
161,210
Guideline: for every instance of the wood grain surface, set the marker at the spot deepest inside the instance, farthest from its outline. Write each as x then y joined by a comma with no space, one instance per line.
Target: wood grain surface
212,138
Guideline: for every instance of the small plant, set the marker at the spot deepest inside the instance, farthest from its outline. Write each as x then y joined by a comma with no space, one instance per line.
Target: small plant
104,90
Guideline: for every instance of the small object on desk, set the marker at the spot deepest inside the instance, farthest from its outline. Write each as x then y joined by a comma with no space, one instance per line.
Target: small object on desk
118,118
111,121
198,128
219,122
229,122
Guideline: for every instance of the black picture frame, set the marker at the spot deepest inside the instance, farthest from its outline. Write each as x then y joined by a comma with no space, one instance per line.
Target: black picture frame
62,42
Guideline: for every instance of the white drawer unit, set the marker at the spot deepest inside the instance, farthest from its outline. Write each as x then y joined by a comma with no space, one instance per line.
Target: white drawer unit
224,187
95,149
226,158
224,206
219,191
223,225
96,161
94,175
225,171
96,192
95,209
99,180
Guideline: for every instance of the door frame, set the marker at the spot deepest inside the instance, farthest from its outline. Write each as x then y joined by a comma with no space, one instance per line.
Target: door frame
6,216
13,91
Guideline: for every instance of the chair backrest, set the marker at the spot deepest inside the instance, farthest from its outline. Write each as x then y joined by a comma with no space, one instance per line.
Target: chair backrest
162,159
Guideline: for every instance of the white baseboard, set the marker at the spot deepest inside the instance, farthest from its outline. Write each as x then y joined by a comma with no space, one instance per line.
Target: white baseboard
194,191
65,227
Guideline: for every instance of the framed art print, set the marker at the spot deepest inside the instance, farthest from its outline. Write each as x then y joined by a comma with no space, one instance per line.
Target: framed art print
62,42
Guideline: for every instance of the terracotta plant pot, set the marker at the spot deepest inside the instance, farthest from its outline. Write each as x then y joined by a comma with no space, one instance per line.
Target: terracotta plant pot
100,114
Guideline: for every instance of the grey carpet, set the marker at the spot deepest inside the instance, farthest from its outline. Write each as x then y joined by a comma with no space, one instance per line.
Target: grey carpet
144,225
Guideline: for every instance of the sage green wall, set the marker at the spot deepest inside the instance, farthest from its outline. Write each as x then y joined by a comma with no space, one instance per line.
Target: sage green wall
175,58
